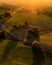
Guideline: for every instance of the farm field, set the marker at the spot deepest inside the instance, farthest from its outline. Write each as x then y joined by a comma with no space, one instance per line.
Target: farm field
21,54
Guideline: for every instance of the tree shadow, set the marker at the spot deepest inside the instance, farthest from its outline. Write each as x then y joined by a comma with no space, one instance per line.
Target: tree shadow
49,55
2,36
38,55
10,46
1,40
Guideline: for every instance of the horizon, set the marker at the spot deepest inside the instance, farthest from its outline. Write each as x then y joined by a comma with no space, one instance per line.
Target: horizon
30,4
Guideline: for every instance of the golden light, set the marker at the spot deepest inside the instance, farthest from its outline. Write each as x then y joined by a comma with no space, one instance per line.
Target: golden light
29,3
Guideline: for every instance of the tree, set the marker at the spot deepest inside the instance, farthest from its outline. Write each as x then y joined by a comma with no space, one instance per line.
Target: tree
7,14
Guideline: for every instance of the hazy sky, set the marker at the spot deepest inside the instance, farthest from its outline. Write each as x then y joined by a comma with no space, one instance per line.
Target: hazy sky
29,3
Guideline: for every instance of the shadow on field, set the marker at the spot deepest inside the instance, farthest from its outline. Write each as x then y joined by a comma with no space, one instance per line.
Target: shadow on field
2,36
1,40
49,55
38,55
10,46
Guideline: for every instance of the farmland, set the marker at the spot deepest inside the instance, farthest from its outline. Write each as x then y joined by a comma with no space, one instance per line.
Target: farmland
21,54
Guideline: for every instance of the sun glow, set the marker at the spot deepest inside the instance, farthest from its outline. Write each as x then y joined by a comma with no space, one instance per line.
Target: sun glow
29,3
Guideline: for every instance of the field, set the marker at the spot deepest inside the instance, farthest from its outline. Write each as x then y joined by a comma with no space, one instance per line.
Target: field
21,54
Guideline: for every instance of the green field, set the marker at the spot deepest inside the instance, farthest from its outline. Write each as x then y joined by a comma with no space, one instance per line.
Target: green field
21,54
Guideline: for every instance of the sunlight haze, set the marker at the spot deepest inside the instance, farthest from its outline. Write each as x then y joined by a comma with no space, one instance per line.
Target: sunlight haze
29,3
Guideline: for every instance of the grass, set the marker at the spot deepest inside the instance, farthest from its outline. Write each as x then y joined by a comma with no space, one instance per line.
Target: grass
47,39
21,54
